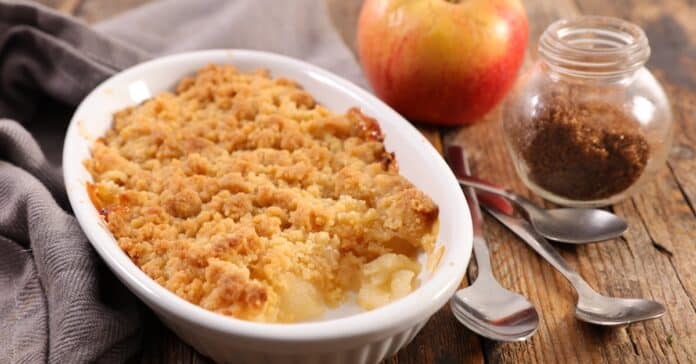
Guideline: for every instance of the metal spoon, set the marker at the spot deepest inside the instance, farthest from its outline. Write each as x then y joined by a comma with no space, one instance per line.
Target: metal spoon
485,307
592,307
568,225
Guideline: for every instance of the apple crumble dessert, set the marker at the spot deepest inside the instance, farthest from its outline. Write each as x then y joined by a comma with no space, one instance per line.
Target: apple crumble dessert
241,194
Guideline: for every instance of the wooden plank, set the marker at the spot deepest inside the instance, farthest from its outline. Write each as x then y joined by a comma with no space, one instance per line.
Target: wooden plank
682,160
666,207
634,266
161,346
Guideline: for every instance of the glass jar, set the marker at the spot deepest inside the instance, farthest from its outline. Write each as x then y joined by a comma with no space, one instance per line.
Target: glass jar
588,124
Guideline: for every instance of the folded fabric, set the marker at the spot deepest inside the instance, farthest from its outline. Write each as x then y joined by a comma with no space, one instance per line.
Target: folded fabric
58,302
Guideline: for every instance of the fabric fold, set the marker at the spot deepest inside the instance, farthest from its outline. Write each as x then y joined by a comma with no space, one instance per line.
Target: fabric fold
59,303
53,305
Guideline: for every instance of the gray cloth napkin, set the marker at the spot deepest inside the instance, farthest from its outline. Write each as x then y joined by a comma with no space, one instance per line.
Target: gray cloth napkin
58,302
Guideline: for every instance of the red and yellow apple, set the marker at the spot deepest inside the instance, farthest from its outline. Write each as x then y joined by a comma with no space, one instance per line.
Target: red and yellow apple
444,62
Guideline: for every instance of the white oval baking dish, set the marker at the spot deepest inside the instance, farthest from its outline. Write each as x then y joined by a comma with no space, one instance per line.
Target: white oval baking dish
343,336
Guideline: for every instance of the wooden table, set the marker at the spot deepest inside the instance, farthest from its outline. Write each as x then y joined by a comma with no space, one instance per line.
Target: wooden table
656,258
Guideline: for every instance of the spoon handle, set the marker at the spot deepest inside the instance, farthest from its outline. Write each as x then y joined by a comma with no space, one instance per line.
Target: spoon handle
527,206
526,232
467,180
458,161
455,156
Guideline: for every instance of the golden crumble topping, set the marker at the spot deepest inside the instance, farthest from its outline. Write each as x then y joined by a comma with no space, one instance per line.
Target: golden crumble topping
241,194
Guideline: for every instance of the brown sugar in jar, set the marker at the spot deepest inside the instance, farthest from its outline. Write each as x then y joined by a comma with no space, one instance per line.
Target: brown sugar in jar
587,125
582,151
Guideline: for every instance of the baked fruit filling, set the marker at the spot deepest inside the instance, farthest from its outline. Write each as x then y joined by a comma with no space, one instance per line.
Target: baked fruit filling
241,194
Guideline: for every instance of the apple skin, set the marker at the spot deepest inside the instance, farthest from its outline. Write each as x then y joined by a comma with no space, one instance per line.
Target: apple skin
442,62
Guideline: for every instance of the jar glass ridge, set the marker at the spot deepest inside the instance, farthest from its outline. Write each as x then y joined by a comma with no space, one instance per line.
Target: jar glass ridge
588,124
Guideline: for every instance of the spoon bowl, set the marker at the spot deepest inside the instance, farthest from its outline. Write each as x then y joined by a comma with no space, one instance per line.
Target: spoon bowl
494,312
486,307
566,225
610,311
576,226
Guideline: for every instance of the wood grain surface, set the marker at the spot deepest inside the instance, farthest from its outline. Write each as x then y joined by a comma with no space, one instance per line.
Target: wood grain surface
656,258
